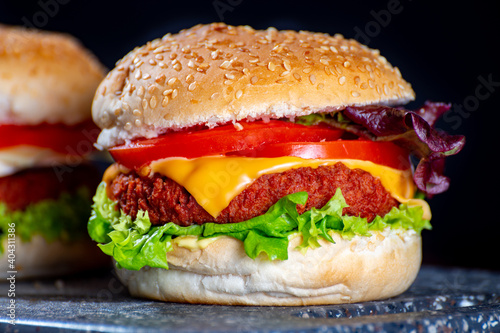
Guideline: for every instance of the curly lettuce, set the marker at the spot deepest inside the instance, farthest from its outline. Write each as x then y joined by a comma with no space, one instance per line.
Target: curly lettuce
62,219
135,243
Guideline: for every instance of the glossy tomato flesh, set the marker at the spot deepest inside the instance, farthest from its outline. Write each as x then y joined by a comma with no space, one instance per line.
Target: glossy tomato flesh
218,141
260,139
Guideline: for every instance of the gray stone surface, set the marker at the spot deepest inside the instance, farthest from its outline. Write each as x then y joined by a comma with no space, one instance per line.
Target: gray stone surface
441,299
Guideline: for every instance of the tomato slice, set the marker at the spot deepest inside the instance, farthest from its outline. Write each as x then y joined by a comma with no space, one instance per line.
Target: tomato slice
383,153
70,140
218,141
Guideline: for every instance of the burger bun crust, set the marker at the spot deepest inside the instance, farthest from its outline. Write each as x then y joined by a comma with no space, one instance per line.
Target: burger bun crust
215,74
46,77
361,269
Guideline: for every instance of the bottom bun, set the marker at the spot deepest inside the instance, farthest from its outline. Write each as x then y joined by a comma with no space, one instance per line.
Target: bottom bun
361,269
39,258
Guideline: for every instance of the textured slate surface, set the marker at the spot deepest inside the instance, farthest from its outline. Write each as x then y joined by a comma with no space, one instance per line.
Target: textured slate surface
442,299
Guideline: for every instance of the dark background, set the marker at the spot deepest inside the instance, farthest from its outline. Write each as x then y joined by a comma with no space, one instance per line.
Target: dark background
447,50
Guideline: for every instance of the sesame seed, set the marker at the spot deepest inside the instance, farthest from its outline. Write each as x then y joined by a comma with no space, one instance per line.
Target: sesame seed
229,76
228,82
254,80
246,71
137,112
321,86
191,64
173,56
296,76
189,78
144,104
307,70
253,61
215,54
368,68
174,93
192,86
167,92
271,66
225,65
151,89
165,101
338,69
138,122
286,64
357,80
171,81
126,107
177,66
117,112
152,62
203,67
363,85
160,79
371,84
386,89
324,61
159,57
141,91
127,126
214,95
238,94
334,49
162,64
285,73
138,74
347,64
312,78
379,91
146,76
342,80
355,94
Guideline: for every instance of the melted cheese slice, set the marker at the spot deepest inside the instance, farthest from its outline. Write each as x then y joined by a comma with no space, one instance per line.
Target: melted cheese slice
215,181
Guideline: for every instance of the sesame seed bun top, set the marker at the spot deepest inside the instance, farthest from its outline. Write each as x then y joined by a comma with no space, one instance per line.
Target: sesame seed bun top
213,74
45,77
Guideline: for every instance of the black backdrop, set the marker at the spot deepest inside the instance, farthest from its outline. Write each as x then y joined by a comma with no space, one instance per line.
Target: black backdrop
447,50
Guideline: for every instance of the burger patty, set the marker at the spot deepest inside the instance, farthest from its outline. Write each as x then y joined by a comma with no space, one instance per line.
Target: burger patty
29,186
166,201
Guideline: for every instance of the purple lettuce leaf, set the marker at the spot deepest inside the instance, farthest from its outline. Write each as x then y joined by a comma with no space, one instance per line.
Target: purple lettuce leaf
413,130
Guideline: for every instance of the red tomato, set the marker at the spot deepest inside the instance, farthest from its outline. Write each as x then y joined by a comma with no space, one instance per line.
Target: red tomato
218,141
70,140
383,153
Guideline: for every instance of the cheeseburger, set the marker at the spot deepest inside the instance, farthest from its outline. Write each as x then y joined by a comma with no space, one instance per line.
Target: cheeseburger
264,168
47,82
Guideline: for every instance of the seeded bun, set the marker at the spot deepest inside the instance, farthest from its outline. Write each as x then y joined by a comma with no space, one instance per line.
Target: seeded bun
45,77
362,269
213,74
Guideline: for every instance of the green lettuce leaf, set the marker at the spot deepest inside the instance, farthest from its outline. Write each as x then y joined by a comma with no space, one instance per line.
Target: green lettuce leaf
62,219
136,243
